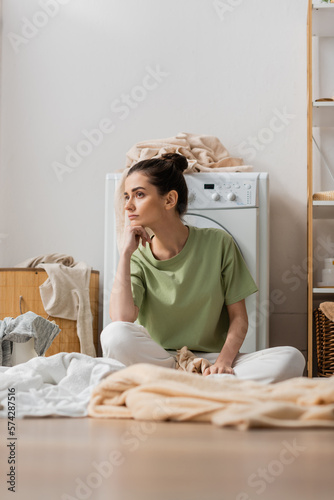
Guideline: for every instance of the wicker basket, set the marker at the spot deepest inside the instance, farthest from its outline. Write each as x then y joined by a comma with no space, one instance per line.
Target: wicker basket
19,291
325,344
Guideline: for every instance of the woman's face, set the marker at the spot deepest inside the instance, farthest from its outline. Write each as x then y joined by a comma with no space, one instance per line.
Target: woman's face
143,204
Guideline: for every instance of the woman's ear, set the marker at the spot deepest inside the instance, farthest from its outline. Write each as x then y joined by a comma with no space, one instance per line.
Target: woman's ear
171,200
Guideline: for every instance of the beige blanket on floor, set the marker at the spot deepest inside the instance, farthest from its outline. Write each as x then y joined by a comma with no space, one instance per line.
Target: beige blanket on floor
205,153
148,392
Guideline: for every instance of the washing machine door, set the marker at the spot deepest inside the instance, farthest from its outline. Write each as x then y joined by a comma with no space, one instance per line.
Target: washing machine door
198,220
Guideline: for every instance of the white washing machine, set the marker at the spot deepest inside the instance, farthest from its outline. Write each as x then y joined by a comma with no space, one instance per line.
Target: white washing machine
234,202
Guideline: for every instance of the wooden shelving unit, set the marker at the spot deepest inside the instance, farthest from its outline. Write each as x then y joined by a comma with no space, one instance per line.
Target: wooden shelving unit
320,114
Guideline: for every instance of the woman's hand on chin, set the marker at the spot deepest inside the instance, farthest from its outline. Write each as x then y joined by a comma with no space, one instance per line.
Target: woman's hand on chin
132,236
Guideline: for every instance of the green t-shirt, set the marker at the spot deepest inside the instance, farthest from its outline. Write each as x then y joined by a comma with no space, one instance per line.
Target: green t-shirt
181,300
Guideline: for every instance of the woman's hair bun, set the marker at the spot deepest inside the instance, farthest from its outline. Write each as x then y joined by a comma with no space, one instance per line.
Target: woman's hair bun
178,161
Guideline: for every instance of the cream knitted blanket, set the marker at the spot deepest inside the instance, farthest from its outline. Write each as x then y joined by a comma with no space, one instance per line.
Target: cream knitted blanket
148,392
205,153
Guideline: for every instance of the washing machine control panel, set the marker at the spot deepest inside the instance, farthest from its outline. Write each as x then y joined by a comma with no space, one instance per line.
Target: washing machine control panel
222,190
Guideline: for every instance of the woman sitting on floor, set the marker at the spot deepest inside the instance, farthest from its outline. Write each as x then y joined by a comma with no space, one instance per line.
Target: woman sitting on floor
186,286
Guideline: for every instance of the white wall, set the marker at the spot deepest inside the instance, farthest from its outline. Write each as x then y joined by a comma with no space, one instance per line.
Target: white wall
238,74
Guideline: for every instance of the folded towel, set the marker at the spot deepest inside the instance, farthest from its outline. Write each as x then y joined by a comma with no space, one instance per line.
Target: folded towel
23,328
328,309
205,153
149,392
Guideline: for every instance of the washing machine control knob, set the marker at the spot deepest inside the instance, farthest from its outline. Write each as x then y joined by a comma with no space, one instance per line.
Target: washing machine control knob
215,196
231,196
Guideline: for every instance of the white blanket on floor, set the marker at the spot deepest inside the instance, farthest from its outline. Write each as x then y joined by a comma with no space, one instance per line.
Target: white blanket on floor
56,385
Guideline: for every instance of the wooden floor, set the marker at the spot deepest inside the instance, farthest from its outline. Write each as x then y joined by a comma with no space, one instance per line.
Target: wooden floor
68,458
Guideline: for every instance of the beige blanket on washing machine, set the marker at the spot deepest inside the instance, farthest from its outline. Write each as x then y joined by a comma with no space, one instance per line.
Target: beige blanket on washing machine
205,153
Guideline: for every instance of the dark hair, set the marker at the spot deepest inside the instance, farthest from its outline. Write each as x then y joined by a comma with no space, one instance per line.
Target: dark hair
165,173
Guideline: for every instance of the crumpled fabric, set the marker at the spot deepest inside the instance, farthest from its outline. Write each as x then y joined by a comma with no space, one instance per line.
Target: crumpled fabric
203,152
59,385
56,258
23,328
188,362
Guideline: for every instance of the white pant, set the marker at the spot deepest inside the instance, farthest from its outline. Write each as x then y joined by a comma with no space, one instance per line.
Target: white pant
130,343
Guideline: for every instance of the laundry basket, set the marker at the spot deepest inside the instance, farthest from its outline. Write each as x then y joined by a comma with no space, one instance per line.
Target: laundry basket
325,344
19,291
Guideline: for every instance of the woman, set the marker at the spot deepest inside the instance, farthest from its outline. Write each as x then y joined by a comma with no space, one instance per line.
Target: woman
186,286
